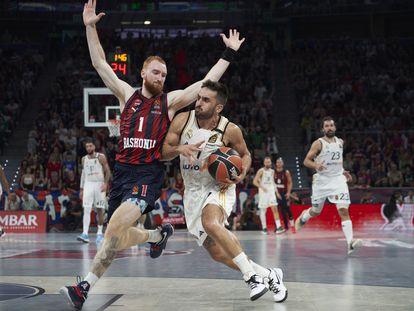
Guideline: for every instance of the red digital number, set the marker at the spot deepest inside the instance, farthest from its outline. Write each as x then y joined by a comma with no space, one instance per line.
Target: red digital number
122,68
114,66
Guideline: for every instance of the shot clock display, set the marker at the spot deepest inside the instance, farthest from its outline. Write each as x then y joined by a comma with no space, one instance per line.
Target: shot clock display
119,62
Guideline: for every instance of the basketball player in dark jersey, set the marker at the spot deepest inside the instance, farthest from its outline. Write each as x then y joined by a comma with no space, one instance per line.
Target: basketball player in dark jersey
138,175
283,181
4,184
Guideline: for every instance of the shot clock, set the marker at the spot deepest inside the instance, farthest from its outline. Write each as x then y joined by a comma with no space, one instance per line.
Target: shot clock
119,61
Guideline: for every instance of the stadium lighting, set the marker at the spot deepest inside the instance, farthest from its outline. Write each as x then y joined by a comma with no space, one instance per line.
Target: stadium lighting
147,22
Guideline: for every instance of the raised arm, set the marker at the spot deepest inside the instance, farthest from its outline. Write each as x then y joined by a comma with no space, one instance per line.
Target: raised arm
313,152
171,147
181,98
121,89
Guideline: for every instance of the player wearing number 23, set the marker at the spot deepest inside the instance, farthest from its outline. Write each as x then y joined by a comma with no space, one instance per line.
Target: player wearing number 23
329,181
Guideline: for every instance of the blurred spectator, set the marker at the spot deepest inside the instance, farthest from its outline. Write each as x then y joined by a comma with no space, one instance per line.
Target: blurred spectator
409,199
28,180
29,203
248,219
392,214
368,198
13,202
395,177
71,182
178,183
54,183
72,217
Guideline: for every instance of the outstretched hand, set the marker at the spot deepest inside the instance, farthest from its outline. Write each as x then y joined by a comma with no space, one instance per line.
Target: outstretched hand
89,15
233,40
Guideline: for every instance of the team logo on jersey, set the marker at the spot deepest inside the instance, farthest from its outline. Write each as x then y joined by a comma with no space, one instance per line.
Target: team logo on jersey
212,139
340,146
189,133
156,107
135,190
136,104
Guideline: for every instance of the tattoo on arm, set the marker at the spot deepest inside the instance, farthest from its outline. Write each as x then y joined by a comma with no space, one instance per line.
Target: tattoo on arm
209,242
105,256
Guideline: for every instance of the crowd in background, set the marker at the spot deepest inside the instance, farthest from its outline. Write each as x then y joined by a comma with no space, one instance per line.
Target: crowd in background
367,87
18,74
371,102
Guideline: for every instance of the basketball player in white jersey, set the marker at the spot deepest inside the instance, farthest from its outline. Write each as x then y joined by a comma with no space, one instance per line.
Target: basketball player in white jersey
329,181
265,182
194,135
94,184
4,184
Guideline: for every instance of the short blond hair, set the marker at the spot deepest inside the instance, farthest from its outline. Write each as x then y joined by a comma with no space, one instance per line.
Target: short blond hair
152,58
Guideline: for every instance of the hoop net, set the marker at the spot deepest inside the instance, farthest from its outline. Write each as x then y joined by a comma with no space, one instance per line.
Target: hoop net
114,127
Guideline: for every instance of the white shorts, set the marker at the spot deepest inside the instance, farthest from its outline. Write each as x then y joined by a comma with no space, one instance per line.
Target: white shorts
195,201
93,196
267,199
335,189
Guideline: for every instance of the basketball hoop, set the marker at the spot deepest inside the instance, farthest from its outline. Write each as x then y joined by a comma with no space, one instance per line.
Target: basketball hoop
114,127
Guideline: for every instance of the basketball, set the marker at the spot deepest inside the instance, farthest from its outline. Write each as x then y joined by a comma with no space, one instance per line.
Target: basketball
223,163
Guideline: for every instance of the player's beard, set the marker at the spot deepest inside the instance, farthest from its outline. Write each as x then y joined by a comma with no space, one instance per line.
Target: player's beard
90,152
204,115
153,88
330,134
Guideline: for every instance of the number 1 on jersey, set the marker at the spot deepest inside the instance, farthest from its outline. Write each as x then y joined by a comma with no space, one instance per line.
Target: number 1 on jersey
141,123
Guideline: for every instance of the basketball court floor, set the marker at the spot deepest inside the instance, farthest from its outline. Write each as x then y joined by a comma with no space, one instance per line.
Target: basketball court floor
318,273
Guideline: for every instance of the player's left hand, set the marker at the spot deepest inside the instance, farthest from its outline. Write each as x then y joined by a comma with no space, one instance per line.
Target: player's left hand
348,176
235,179
233,40
287,196
104,187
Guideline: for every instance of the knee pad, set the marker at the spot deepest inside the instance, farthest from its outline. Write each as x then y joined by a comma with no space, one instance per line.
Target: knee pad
141,204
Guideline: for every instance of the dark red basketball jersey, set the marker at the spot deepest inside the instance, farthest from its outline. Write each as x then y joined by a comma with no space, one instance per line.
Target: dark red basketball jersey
144,125
281,180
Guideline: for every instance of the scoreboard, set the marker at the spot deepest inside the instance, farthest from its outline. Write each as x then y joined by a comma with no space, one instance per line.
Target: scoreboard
119,62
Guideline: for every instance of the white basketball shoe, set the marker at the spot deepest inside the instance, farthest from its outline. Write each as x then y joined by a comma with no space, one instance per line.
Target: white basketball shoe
257,287
354,245
275,280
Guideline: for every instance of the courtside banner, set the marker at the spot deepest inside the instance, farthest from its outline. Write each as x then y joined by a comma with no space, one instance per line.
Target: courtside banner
23,221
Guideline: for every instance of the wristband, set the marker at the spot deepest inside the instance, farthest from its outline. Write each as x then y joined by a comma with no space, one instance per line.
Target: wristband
229,54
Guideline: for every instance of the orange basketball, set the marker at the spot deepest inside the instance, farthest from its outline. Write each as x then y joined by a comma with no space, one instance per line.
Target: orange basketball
223,162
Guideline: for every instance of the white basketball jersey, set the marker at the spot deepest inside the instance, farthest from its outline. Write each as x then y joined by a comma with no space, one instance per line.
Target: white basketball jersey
268,181
197,173
331,157
93,169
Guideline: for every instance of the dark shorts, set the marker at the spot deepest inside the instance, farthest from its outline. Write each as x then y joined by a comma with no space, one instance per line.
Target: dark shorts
136,182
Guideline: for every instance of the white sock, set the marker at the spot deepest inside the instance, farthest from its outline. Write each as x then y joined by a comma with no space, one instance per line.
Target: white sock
91,279
100,228
277,222
154,236
347,229
262,271
263,218
86,219
306,216
244,265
